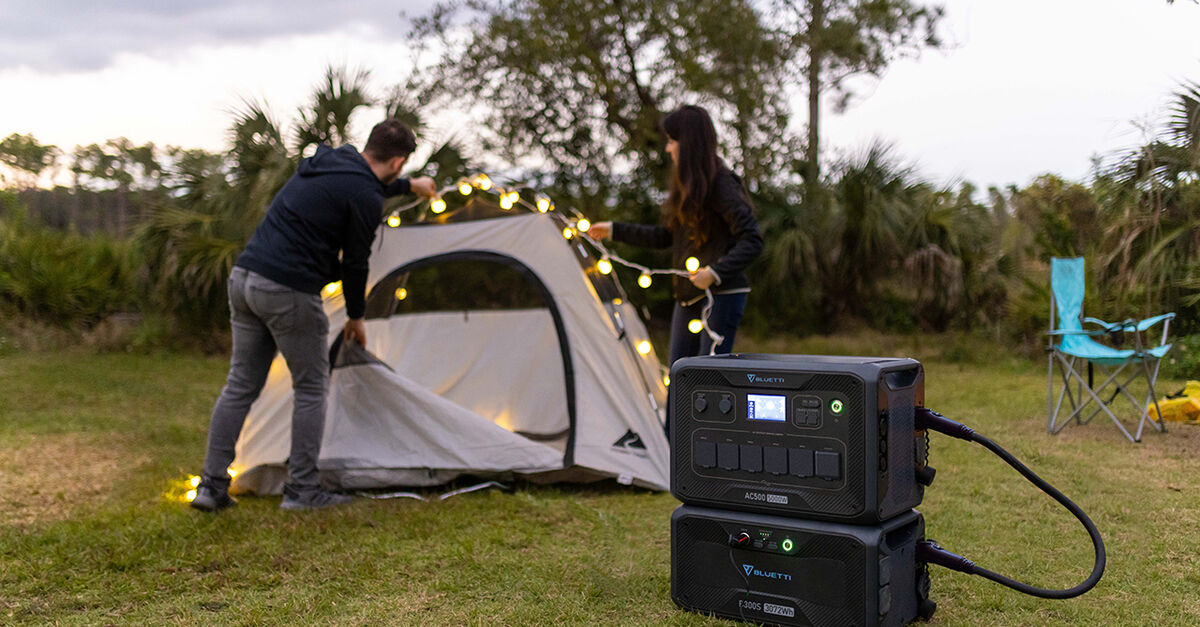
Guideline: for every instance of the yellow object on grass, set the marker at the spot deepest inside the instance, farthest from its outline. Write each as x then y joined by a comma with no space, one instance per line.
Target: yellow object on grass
1181,407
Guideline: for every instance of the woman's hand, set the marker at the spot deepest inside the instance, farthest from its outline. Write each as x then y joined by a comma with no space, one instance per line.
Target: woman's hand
703,278
600,230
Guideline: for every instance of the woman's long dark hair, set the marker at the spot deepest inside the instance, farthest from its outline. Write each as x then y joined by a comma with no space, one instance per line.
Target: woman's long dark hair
694,170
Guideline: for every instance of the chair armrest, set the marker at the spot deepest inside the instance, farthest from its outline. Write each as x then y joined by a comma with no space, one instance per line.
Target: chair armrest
1149,322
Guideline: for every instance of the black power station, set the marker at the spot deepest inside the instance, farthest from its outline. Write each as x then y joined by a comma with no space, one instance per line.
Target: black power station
770,569
799,475
824,438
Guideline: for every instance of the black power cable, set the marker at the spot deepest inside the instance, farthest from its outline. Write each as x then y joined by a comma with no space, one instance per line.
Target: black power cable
928,551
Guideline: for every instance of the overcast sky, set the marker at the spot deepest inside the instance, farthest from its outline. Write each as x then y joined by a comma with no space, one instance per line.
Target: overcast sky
1026,86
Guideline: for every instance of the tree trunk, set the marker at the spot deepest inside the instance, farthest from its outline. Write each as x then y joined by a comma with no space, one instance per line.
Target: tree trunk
816,53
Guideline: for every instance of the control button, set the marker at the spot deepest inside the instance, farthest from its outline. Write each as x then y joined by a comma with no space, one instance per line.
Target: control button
740,539
726,404
787,545
885,600
885,570
700,403
727,456
752,458
828,465
706,454
775,460
814,417
800,462
772,546
758,544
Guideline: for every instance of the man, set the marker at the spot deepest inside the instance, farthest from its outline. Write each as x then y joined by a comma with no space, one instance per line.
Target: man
332,205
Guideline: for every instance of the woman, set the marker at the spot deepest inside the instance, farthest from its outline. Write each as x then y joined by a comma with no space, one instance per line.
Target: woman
707,215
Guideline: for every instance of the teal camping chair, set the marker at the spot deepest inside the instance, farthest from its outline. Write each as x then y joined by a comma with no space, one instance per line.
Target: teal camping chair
1071,347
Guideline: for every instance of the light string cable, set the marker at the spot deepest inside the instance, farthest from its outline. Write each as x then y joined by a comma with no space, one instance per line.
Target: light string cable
510,197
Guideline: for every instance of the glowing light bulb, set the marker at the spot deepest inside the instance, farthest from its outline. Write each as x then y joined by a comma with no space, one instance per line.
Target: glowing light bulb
194,481
464,187
567,232
604,266
393,221
692,264
401,293
643,347
333,288
483,182
514,196
695,326
232,472
666,379
583,225
644,280
543,204
505,203
190,496
437,205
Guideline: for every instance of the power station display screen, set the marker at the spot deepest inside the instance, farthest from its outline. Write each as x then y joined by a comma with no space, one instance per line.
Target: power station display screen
766,407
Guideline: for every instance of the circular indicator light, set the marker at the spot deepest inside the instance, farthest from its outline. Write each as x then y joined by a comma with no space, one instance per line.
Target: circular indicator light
787,545
836,407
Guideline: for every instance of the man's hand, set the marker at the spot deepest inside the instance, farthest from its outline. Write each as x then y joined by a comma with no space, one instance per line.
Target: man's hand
600,230
355,330
703,278
423,187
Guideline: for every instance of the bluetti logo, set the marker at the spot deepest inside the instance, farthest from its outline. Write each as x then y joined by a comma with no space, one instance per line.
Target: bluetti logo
751,571
753,378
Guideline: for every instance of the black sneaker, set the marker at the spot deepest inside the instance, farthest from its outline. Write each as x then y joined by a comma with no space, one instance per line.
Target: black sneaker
210,499
312,499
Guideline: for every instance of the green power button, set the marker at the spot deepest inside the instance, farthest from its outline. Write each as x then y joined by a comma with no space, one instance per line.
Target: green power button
836,406
787,545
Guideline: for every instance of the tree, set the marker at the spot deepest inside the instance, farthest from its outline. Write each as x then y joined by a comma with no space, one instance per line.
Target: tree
830,41
578,87
24,154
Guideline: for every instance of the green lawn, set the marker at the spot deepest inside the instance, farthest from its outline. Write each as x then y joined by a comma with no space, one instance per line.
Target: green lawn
93,449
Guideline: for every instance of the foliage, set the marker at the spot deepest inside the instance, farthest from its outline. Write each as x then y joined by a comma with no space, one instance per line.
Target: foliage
59,277
29,158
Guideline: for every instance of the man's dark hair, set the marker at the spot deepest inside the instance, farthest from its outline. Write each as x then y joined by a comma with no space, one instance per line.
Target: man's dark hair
390,138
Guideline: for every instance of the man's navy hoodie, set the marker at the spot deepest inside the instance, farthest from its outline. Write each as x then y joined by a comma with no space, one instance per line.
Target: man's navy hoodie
331,205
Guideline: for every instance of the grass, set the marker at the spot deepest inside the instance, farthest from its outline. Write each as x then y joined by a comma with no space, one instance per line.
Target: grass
93,448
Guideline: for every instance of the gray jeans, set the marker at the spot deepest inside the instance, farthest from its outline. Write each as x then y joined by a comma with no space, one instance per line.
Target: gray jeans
267,316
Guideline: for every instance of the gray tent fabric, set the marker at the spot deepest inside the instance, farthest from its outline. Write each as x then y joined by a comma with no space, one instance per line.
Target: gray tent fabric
437,394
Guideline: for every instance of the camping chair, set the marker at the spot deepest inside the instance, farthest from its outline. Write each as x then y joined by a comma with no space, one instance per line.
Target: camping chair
1070,346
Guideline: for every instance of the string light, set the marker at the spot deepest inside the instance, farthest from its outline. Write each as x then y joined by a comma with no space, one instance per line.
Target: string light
333,288
194,481
401,293
643,347
232,472
508,198
666,379
393,220
190,496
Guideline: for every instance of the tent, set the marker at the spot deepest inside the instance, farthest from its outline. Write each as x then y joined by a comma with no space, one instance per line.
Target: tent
496,348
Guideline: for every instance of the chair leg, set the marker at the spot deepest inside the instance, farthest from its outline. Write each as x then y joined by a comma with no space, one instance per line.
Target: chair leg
1064,392
1099,401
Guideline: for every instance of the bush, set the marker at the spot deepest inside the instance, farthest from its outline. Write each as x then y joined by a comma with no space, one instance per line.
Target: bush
60,278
